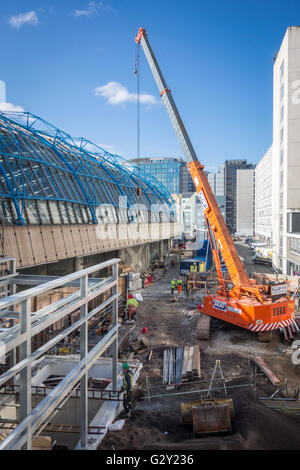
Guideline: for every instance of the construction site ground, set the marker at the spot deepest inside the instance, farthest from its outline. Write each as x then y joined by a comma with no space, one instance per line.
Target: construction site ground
156,423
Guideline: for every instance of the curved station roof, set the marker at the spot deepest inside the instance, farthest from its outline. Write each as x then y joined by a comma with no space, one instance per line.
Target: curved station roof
49,177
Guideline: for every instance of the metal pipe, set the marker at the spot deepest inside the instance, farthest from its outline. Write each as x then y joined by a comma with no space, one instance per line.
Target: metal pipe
227,379
34,291
196,391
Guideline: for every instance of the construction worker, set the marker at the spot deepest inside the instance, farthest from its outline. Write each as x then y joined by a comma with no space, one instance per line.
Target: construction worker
193,267
173,285
179,285
131,306
127,386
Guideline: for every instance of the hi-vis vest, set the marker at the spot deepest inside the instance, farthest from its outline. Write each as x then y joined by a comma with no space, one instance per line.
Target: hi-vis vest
173,284
132,303
125,385
179,282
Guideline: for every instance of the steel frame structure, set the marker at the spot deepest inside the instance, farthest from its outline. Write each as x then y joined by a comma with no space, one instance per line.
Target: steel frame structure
68,177
32,421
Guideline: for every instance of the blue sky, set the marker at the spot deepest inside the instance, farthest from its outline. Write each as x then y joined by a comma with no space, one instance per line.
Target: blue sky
72,63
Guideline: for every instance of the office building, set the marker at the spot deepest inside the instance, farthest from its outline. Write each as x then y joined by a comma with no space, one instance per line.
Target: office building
231,167
171,172
245,202
286,151
263,198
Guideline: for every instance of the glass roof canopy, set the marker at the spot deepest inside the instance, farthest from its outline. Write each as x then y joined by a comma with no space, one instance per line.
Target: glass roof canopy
48,176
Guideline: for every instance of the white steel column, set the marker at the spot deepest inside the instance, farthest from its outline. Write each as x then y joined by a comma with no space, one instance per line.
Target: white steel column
83,353
12,290
25,374
115,322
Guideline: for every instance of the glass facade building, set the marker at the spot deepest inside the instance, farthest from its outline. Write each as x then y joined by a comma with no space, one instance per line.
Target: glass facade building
170,172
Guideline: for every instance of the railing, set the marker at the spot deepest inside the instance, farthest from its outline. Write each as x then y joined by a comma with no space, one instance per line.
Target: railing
43,391
31,323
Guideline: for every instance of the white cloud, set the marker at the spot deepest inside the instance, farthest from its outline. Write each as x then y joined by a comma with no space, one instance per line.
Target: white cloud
9,107
93,8
17,21
115,93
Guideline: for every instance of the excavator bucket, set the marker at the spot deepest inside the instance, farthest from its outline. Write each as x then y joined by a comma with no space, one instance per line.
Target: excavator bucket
211,418
186,408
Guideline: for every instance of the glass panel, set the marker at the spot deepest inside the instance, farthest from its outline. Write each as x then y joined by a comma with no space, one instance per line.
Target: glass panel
44,213
54,212
63,212
78,214
71,213
5,213
32,213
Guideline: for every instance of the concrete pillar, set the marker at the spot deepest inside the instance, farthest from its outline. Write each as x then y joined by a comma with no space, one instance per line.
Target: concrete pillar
78,263
138,256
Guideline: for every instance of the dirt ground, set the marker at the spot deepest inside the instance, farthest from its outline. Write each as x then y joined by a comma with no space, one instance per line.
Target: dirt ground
156,424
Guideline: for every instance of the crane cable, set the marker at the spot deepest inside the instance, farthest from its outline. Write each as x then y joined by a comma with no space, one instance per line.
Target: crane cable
137,74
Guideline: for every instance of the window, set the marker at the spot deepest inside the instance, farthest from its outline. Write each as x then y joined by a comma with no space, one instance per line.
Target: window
282,70
281,180
281,135
281,246
282,91
281,222
281,156
281,113
295,245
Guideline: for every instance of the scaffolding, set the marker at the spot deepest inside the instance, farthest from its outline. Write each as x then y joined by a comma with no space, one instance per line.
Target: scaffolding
24,324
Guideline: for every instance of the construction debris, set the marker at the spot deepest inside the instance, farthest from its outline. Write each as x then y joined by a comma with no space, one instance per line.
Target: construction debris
261,363
140,346
191,315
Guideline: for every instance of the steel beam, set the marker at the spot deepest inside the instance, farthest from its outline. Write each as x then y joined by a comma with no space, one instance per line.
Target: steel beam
32,421
44,409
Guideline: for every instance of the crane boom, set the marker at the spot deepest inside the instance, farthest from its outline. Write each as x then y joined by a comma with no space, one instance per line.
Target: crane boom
210,207
256,307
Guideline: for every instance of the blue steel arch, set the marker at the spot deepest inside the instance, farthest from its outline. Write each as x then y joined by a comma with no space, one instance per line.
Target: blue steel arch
31,144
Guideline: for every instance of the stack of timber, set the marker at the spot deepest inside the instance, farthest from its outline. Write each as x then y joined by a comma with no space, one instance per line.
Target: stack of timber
123,269
191,368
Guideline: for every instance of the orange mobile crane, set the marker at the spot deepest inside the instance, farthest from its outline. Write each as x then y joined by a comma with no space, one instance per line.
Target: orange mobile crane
243,302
